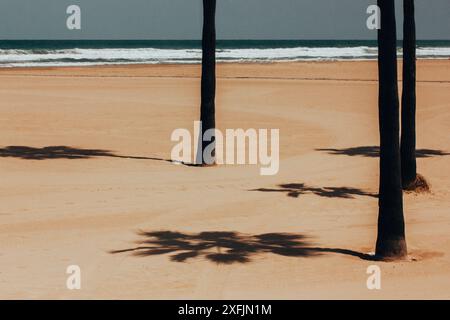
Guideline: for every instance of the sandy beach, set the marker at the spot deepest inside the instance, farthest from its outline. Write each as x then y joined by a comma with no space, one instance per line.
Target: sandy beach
84,174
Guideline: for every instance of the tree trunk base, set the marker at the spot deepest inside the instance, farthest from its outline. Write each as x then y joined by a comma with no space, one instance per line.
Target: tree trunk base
419,185
391,250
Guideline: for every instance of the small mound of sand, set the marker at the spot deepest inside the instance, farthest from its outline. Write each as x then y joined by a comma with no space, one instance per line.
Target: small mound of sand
420,185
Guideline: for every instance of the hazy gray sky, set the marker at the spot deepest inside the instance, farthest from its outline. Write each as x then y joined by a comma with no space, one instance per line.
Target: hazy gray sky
236,19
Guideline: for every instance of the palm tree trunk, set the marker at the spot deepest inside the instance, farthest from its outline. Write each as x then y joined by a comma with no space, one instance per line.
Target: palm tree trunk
208,86
408,142
391,227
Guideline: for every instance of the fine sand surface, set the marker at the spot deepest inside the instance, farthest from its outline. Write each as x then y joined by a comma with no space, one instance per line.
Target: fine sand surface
300,234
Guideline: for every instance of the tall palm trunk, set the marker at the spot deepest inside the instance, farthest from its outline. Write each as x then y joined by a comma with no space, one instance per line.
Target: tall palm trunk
408,142
208,86
391,227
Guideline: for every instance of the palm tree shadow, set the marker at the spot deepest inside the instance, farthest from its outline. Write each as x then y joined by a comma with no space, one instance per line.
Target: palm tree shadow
374,152
224,247
72,153
294,190
60,152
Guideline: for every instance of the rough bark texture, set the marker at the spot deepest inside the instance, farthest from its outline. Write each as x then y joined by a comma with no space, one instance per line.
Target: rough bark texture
408,141
208,85
391,242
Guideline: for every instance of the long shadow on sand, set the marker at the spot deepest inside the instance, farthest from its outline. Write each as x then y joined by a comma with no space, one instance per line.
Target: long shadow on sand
65,152
225,247
62,152
374,152
294,190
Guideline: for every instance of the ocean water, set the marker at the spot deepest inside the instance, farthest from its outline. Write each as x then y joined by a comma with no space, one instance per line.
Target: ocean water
104,52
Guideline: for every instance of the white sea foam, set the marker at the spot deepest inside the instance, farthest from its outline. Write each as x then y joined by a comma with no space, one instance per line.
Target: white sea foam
76,56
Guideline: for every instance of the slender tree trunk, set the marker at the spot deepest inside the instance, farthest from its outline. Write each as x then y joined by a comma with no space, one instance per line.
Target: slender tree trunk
391,227
408,142
208,90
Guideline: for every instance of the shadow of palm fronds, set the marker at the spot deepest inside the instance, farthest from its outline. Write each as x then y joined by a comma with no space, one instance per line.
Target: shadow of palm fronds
294,190
62,152
374,152
224,247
